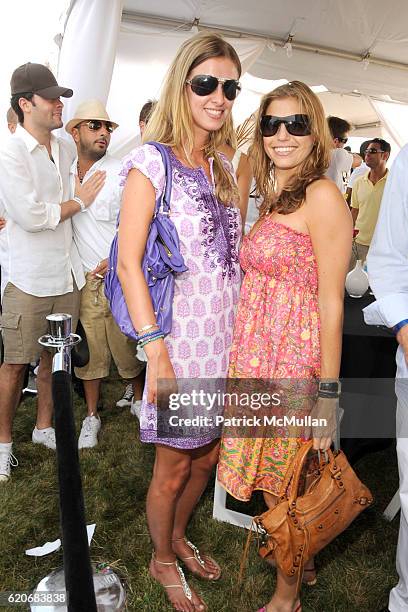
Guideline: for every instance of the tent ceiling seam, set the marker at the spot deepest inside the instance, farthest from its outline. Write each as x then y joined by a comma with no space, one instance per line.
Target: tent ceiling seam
179,24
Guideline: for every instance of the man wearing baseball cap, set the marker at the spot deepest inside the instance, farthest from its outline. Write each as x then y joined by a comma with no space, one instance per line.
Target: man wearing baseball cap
43,272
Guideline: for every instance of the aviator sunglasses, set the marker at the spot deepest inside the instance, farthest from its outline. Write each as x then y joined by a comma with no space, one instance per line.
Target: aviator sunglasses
96,124
205,84
296,125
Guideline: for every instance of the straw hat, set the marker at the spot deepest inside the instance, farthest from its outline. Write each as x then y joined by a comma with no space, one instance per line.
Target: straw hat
90,109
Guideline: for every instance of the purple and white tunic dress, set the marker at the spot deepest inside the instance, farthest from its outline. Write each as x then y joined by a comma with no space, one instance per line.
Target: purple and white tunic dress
205,296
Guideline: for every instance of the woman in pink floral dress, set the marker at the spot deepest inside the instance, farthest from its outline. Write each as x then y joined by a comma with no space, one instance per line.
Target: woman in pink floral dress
289,319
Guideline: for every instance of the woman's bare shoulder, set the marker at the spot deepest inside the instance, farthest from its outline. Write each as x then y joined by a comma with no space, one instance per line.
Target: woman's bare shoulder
324,200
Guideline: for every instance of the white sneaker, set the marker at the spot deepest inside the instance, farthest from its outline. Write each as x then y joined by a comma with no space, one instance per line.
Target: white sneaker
135,408
44,436
88,438
127,397
7,460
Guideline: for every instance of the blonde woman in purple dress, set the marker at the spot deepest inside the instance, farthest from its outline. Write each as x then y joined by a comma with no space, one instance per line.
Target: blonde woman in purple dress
191,118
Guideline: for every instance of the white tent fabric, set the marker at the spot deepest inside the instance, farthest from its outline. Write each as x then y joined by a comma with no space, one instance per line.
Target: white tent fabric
142,56
347,29
142,48
88,51
395,118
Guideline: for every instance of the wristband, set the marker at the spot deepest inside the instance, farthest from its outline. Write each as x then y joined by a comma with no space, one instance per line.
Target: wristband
399,326
329,389
80,202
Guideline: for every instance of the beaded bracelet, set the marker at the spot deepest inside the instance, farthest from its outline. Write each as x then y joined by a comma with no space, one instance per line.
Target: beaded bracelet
143,344
149,334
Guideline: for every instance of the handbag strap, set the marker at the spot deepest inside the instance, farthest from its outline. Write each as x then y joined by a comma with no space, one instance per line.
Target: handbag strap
295,470
163,203
299,466
300,456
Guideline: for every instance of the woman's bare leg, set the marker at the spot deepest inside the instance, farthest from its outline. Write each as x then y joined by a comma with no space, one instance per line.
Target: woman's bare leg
203,461
170,474
285,597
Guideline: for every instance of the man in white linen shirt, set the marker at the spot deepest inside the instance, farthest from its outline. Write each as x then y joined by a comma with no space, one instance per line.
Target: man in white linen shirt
94,231
341,161
387,263
43,269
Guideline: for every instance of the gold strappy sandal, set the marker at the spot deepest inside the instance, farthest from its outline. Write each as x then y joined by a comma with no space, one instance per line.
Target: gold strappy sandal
197,557
184,585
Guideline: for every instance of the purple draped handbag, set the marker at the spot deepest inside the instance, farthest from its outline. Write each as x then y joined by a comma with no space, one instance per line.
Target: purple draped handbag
161,261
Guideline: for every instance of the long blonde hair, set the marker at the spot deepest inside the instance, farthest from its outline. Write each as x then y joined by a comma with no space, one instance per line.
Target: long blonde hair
171,121
311,169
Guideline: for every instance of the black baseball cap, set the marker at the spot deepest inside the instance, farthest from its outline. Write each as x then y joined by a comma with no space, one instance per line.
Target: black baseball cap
37,79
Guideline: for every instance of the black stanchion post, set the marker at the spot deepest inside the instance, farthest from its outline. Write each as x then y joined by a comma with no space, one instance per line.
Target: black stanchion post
84,585
77,562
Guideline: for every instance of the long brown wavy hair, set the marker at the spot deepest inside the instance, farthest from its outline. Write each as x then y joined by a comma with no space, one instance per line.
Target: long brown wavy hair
171,122
311,169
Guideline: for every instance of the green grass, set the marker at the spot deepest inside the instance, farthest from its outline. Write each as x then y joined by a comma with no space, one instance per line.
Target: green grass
355,572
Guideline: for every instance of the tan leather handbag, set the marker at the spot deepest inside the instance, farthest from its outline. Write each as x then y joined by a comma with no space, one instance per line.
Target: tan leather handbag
299,527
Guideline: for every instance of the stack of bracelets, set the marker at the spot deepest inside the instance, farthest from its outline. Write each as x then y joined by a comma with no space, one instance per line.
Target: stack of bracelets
149,333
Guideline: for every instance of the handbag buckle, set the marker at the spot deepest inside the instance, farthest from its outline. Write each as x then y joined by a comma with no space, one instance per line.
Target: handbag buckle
262,534
326,456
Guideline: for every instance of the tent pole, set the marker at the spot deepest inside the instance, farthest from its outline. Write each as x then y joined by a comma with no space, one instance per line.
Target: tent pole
180,24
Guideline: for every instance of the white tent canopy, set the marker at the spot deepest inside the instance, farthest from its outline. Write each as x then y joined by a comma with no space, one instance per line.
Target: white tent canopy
119,52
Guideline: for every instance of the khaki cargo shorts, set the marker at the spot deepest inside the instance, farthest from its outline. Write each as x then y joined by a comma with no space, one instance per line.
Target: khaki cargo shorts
23,321
104,337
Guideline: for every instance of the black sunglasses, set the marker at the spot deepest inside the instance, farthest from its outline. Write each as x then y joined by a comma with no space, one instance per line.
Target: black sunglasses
373,151
296,125
205,84
343,140
96,124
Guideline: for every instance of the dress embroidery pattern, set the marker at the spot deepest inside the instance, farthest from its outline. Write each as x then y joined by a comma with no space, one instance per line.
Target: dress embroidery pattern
220,227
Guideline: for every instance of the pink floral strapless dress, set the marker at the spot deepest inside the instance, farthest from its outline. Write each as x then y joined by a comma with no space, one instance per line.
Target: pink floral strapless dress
276,336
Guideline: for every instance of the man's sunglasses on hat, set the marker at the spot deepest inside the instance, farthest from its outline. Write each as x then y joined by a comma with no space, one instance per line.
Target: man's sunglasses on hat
95,125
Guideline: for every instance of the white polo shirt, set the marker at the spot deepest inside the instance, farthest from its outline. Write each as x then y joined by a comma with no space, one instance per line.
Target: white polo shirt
94,229
340,163
40,255
357,173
